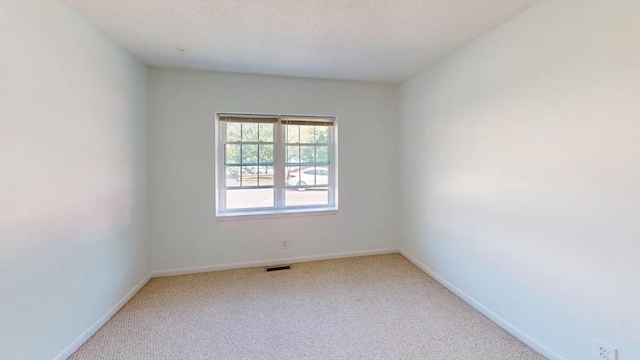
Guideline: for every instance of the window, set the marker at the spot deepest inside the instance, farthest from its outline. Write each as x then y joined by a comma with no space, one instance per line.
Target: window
275,164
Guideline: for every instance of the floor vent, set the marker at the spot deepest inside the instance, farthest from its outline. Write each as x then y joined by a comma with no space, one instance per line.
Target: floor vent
278,268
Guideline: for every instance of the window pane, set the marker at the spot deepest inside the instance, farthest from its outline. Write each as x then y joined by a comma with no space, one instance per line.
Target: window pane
294,176
322,176
232,154
306,134
291,175
249,154
249,176
314,176
292,133
308,176
293,154
265,154
321,134
305,197
322,154
233,131
307,155
249,198
265,175
266,132
232,177
250,132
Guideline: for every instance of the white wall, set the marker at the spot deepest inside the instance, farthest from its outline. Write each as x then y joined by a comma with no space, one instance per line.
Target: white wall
521,173
184,230
72,177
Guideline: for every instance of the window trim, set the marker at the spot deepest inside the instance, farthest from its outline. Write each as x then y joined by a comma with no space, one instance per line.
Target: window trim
279,209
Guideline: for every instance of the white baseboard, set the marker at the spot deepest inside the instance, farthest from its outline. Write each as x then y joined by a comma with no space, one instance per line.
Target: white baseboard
289,260
513,330
69,350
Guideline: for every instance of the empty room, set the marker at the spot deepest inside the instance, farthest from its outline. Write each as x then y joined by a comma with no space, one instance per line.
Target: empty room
320,179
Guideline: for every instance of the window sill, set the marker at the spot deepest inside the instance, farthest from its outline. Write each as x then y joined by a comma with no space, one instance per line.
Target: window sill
270,214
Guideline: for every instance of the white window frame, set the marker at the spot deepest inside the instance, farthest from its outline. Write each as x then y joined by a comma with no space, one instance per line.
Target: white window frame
279,207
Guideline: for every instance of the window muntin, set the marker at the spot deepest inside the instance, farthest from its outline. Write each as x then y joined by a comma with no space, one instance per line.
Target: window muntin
275,163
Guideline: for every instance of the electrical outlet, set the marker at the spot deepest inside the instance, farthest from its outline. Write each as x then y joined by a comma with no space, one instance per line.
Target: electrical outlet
284,244
602,351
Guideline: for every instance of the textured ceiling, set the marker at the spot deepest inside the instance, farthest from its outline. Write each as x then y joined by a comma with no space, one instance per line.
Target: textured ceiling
384,40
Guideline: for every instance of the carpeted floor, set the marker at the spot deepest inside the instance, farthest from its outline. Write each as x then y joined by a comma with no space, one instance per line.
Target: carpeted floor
373,307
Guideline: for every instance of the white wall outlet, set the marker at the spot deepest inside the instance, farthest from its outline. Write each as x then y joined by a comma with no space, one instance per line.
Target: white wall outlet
284,244
602,351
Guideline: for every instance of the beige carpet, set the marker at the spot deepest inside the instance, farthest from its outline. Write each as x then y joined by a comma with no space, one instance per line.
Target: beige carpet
373,307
